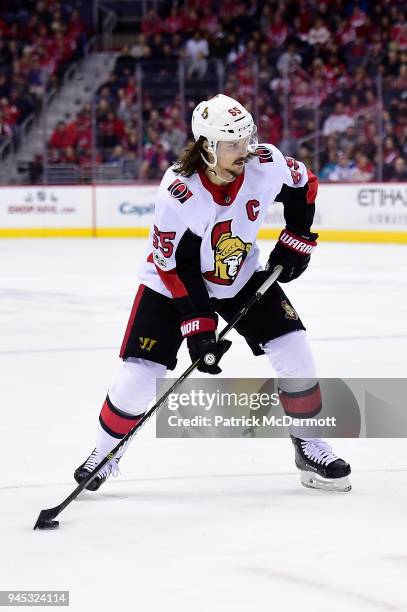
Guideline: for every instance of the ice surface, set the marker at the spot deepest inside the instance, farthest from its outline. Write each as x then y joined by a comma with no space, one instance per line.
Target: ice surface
192,525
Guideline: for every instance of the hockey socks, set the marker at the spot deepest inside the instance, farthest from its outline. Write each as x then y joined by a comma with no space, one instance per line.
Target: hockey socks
115,422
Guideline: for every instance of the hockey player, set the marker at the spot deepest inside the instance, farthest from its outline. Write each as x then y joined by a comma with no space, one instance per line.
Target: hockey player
203,260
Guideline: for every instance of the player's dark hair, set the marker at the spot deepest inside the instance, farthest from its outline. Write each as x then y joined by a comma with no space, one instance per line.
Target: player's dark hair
190,160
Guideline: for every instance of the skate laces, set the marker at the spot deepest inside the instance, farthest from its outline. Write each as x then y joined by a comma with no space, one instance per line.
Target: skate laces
110,469
319,451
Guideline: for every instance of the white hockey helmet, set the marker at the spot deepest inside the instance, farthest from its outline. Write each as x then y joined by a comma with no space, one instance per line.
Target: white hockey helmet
222,118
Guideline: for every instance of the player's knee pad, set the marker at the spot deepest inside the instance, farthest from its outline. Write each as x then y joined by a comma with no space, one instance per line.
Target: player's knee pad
290,355
136,385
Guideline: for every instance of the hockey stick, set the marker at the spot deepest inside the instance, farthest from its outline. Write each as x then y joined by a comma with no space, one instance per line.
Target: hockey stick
45,518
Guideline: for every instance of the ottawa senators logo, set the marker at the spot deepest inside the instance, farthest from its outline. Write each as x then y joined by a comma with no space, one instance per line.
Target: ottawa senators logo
179,191
289,311
264,154
229,254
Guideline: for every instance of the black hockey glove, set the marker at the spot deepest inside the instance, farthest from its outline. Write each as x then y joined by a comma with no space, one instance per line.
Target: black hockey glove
200,332
293,252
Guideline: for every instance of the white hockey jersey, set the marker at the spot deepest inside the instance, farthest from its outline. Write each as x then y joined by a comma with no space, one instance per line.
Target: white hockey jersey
212,230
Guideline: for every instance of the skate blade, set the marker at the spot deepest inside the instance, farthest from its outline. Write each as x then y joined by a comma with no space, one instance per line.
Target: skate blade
314,481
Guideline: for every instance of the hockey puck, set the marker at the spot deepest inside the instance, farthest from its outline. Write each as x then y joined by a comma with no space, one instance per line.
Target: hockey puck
46,524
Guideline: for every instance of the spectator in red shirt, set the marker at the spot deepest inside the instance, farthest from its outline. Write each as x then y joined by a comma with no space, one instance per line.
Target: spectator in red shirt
87,157
58,138
174,22
369,30
270,127
209,21
68,156
155,157
190,21
5,128
83,136
277,32
357,18
151,24
399,32
76,26
111,131
130,88
356,53
4,29
10,112
345,34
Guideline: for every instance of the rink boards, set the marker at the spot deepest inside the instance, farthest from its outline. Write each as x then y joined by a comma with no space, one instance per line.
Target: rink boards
374,212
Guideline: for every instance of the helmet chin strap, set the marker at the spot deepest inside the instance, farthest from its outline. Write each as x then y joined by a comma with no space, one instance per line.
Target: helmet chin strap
225,180
212,165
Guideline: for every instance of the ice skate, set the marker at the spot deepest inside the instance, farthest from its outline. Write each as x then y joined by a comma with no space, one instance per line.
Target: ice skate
89,465
320,467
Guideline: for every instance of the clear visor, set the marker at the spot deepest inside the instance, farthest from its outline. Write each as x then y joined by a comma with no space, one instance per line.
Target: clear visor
241,146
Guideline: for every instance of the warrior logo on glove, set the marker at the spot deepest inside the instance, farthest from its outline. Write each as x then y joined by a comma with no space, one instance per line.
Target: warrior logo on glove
229,254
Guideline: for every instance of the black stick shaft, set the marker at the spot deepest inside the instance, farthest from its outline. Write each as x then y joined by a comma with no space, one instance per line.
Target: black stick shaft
53,512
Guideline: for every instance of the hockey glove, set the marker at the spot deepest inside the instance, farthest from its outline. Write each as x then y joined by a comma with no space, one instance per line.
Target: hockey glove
200,332
293,252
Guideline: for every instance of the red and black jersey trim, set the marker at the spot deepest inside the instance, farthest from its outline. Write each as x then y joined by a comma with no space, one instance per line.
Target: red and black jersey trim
264,154
115,422
312,187
185,281
180,191
302,404
299,203
170,279
223,195
130,323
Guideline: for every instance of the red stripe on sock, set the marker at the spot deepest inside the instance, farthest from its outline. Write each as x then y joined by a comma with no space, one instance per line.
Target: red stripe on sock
304,405
115,422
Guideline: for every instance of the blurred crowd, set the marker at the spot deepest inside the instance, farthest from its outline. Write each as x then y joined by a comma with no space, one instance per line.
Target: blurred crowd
38,41
326,81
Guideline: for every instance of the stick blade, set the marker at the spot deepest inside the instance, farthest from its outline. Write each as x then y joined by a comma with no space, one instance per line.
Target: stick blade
45,519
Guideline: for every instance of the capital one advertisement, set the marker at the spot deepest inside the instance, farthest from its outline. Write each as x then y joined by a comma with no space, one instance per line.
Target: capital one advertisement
128,210
127,206
374,207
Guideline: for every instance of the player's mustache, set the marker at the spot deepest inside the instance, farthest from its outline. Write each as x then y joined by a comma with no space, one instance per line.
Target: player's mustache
238,161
